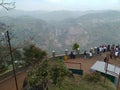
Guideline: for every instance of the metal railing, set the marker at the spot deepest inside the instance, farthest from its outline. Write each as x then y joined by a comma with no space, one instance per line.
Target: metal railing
74,63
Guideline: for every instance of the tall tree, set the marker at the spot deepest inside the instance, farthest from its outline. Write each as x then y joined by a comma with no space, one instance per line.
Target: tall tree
33,55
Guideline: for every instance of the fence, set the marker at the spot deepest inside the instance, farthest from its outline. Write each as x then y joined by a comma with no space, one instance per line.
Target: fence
75,71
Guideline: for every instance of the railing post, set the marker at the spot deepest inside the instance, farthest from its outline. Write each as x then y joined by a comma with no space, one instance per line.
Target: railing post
66,52
80,66
53,53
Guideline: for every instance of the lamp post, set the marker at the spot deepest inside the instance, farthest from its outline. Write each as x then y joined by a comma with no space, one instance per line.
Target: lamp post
53,53
78,49
66,52
11,56
106,66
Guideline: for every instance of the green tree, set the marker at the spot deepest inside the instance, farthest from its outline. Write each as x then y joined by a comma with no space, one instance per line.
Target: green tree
46,72
58,73
33,55
4,57
32,77
43,74
75,46
39,75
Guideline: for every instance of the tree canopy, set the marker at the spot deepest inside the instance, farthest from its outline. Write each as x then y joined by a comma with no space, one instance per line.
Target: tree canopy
33,54
75,46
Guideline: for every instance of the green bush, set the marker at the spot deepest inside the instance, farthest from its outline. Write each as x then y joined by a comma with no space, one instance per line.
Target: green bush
32,77
3,68
93,77
58,73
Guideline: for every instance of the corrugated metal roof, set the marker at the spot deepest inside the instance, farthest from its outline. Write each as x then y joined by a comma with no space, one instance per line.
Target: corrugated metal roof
111,70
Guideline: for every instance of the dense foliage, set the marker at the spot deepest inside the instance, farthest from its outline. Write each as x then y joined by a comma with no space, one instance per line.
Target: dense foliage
58,73
46,73
94,77
75,46
33,55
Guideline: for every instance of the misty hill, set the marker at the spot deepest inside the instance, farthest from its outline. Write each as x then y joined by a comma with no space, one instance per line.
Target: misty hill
96,28
45,15
88,28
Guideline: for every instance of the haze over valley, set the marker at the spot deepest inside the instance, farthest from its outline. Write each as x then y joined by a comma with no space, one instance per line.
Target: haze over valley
58,30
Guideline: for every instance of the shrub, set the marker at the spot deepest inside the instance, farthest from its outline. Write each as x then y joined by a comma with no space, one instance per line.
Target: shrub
93,77
3,68
58,73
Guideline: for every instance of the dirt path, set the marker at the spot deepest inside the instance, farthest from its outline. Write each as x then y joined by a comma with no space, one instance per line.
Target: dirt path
9,83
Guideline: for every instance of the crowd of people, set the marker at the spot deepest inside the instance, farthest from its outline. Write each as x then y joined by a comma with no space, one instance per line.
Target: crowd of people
113,50
72,54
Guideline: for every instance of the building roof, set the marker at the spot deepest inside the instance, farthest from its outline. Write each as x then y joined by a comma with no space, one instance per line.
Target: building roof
111,70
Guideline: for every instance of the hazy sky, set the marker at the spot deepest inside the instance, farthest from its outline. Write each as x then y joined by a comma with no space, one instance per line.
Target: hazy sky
67,4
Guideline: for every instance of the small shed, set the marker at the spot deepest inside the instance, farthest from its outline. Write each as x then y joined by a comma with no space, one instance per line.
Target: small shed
112,70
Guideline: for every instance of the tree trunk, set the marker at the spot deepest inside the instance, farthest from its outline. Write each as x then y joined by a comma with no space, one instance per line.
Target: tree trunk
45,85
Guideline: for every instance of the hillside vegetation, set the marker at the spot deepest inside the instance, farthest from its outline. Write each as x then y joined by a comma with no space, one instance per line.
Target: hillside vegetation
79,83
58,30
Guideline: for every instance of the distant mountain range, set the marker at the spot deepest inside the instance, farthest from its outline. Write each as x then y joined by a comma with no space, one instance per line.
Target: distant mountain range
58,30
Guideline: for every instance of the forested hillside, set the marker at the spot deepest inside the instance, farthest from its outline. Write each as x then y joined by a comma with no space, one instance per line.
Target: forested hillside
58,30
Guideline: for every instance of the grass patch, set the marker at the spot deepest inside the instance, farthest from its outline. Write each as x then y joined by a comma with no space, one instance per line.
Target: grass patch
81,83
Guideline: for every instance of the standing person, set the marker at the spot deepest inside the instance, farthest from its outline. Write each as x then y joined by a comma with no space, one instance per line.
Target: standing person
74,55
104,48
90,54
113,50
105,59
85,54
111,54
98,50
101,49
71,55
108,48
116,54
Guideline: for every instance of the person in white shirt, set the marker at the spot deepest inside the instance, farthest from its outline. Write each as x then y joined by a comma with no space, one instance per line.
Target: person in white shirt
90,54
116,54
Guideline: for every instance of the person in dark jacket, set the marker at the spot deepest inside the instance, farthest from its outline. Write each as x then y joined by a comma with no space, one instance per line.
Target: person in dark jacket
85,55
